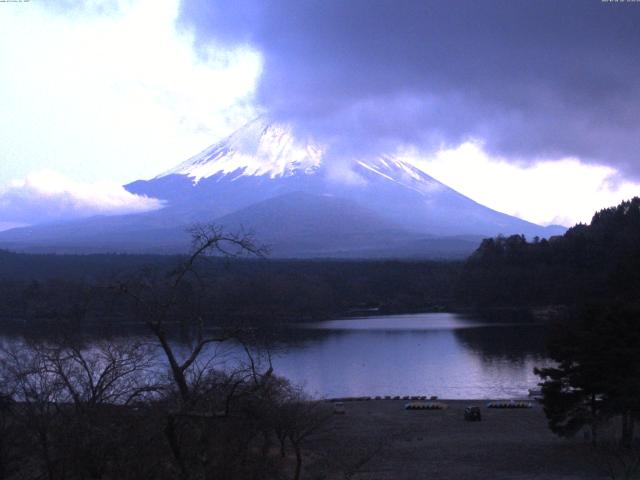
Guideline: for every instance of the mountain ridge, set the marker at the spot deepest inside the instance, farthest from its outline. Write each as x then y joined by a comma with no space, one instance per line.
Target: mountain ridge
253,173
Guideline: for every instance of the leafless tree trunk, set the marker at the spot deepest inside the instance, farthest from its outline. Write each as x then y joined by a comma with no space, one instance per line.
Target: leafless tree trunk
206,240
301,420
65,390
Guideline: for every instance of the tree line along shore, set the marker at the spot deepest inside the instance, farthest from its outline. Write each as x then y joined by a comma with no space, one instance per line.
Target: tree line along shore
68,411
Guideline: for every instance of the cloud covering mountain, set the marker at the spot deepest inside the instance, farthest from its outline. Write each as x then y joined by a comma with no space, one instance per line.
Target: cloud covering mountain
529,79
264,180
527,107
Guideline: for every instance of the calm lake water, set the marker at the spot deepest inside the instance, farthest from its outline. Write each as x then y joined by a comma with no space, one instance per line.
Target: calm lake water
444,354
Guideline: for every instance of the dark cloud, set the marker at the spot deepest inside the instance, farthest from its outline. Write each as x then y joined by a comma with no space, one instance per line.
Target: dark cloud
531,78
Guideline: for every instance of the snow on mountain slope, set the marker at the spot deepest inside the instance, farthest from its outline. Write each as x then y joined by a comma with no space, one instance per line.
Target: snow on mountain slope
257,149
296,197
402,173
263,160
264,149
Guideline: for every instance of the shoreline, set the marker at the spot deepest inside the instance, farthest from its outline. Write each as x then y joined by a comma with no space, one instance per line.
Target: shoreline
423,398
401,444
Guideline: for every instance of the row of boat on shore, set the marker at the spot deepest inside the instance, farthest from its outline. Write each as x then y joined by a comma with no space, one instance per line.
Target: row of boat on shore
387,397
535,394
421,403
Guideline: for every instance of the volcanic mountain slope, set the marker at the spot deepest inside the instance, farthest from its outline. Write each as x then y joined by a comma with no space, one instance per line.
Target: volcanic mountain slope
262,179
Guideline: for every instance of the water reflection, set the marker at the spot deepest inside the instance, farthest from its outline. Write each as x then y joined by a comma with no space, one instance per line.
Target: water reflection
409,322
509,341
443,354
448,355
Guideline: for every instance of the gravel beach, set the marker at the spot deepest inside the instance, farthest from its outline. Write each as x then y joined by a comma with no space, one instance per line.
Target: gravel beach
379,439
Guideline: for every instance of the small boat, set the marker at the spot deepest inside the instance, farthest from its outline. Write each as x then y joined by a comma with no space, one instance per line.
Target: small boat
425,406
509,404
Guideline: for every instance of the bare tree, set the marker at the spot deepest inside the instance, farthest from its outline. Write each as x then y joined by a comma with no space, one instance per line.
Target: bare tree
70,397
8,454
164,302
178,298
103,373
98,409
38,394
299,419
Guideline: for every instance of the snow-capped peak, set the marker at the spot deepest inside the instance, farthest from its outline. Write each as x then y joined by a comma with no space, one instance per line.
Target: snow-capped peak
267,149
257,149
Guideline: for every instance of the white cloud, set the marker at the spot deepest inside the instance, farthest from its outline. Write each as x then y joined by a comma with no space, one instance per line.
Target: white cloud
9,225
113,91
47,196
564,191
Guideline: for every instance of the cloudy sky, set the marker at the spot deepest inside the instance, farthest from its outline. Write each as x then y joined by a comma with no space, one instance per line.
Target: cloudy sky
531,107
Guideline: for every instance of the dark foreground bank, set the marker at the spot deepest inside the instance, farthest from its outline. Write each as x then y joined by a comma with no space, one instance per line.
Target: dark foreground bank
380,440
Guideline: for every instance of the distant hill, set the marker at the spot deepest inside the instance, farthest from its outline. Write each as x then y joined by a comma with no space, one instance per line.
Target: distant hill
599,261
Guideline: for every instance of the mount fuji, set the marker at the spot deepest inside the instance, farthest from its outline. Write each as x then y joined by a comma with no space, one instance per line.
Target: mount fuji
262,179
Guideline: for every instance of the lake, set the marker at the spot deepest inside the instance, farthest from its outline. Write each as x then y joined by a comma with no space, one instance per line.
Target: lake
445,354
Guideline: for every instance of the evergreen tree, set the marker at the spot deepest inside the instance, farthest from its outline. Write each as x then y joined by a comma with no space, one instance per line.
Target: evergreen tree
597,376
